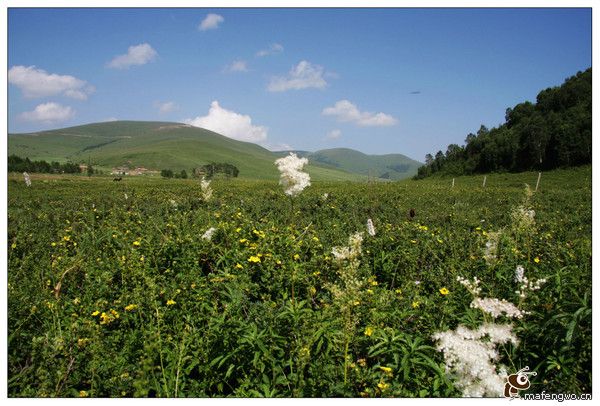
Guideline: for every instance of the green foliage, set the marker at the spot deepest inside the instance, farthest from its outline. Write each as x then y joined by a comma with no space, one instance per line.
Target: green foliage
112,292
554,132
166,173
214,169
18,164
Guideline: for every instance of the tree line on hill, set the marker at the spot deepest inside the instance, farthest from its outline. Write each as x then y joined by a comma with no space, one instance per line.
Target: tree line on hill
208,171
18,164
554,132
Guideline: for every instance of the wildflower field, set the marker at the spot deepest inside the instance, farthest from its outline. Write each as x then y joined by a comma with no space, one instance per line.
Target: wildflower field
163,288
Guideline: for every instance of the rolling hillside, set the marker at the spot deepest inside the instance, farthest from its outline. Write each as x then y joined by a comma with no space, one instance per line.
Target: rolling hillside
389,166
155,145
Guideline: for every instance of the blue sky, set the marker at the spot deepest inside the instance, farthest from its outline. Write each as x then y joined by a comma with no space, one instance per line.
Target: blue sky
380,81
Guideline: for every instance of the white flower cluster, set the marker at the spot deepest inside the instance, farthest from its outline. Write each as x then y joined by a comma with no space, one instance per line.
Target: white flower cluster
519,274
471,355
173,203
472,287
370,228
352,251
27,179
292,178
496,307
525,285
208,234
206,189
492,306
491,247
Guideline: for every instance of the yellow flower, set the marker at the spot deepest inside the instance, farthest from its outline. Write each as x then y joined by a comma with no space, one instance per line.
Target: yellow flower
66,238
95,313
296,257
387,370
238,266
136,243
415,304
254,258
444,291
131,307
382,385
368,331
536,260
399,291
83,394
370,291
374,283
171,302
237,230
105,318
259,234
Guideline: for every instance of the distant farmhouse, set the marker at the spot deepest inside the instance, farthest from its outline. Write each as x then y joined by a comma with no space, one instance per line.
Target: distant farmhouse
124,170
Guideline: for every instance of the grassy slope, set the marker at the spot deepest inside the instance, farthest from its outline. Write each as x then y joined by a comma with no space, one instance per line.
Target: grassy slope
154,145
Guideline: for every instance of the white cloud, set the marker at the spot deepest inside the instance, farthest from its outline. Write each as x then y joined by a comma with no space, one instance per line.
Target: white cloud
333,134
165,107
136,55
301,76
229,124
49,113
35,82
237,66
272,49
345,111
211,22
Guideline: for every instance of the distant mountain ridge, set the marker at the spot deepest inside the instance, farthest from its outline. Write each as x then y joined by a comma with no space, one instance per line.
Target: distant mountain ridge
169,145
388,166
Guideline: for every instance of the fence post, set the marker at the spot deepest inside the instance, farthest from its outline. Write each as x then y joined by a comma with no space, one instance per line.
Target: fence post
452,182
484,179
538,181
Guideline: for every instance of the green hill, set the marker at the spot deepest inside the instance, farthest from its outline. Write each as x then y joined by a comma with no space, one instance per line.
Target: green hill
156,146
389,166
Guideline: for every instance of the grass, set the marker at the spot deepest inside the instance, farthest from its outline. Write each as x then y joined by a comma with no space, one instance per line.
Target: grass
113,292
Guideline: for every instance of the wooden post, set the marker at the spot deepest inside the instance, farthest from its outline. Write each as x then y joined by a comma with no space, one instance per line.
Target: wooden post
452,182
538,181
484,179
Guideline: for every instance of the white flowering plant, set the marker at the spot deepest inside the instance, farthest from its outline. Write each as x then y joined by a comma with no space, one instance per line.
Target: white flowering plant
292,178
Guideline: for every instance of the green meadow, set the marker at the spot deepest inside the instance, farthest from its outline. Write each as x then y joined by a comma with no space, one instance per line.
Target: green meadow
120,289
